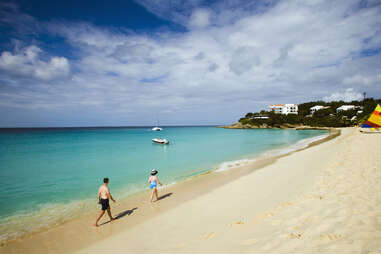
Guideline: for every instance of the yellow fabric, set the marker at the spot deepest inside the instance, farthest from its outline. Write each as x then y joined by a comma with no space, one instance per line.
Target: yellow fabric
376,119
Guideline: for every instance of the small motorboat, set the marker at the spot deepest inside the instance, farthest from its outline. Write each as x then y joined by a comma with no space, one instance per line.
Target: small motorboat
160,141
157,129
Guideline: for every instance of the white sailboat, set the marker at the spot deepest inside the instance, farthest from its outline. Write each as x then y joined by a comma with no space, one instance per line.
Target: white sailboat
157,128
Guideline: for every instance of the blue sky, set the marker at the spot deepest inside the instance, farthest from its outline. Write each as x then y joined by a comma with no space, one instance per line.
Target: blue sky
97,63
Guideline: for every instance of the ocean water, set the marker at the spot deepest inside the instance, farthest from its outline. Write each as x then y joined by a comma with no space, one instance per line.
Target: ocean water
50,175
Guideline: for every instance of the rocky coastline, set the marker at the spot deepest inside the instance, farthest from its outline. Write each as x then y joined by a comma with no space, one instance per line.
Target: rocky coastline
278,126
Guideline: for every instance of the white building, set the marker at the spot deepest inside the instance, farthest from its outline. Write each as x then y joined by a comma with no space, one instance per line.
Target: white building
284,109
345,108
277,108
316,108
260,117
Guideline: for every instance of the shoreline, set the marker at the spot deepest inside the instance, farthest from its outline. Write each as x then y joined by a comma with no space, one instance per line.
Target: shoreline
244,214
179,193
239,125
325,199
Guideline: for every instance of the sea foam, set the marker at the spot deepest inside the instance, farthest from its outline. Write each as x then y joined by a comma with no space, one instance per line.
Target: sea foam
228,165
233,164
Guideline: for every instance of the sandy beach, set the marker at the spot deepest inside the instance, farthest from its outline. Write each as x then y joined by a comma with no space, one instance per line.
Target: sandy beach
324,199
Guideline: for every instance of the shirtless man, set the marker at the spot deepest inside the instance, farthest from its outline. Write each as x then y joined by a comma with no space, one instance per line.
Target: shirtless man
103,196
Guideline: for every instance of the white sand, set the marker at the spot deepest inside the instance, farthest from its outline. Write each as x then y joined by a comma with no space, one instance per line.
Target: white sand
325,199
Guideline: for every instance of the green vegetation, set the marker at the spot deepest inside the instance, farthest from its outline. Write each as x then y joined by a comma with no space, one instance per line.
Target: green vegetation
321,118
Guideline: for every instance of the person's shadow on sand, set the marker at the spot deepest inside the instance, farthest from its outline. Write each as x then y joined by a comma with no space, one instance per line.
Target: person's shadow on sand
130,211
165,196
124,213
121,215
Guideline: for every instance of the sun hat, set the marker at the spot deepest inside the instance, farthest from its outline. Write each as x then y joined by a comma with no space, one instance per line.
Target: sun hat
154,172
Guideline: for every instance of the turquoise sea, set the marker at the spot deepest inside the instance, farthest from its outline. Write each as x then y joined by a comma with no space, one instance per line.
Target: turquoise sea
55,173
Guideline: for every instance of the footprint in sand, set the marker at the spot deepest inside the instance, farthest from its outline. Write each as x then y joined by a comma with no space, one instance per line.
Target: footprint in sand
262,217
331,237
267,215
314,197
285,204
294,236
236,223
249,241
209,235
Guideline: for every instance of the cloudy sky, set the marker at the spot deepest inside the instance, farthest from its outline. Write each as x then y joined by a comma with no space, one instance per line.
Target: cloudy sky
112,63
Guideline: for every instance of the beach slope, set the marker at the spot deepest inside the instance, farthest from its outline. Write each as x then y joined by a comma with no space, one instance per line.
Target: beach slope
325,199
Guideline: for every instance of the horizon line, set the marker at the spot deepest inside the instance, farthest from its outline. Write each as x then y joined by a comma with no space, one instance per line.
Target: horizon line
106,126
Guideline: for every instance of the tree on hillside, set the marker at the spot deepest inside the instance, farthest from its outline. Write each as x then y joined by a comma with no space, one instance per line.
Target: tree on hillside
249,115
304,108
322,113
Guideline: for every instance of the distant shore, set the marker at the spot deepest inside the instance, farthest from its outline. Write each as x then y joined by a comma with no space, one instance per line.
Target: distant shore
265,126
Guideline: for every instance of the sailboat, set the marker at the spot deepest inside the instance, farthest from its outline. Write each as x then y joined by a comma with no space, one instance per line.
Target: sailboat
157,128
373,124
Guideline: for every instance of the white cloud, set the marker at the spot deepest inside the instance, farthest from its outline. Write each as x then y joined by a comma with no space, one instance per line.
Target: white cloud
362,80
245,57
220,12
26,63
200,18
176,11
347,95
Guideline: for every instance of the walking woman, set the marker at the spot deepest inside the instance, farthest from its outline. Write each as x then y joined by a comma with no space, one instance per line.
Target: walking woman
153,181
